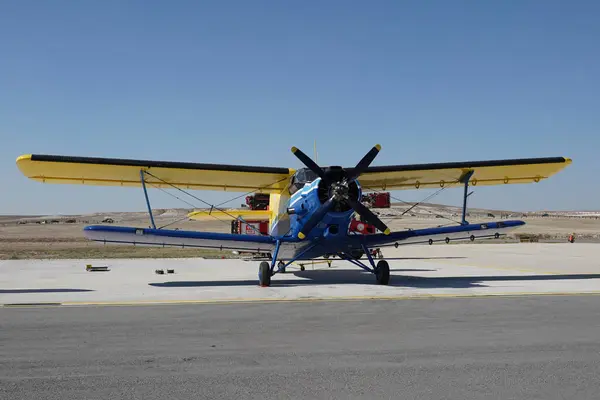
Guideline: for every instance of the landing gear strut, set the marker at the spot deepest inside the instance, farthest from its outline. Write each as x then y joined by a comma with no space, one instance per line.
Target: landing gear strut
381,270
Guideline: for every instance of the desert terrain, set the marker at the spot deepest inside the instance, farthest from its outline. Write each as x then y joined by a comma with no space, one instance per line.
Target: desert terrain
51,236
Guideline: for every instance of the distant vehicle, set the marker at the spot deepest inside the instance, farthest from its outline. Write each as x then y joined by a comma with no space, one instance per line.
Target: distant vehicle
377,200
259,201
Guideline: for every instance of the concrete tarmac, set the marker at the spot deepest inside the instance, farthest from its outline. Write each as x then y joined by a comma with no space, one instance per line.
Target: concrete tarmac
416,271
539,347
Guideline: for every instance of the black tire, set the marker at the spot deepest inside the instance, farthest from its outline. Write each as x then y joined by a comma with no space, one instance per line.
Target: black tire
382,273
264,274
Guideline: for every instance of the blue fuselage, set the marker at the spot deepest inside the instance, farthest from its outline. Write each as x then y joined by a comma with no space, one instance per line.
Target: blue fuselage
305,202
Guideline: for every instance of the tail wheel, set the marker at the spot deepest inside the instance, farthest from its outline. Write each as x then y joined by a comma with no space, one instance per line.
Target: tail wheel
382,273
281,266
264,274
357,254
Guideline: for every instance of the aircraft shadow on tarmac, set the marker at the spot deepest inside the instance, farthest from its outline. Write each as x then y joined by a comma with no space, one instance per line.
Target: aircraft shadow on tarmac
337,276
17,291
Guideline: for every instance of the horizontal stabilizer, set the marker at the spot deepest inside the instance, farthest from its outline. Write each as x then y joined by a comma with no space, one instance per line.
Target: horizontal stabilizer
246,215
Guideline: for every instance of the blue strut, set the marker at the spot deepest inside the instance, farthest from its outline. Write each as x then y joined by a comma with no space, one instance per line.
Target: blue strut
465,179
283,264
365,249
147,199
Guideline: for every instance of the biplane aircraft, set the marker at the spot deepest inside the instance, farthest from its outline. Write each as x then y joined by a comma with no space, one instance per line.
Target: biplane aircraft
310,208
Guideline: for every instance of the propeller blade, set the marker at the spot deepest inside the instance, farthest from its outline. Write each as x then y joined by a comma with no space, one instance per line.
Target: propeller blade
369,216
315,218
364,163
306,160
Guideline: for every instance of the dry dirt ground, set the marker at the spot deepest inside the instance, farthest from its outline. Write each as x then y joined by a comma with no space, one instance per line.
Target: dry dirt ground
32,237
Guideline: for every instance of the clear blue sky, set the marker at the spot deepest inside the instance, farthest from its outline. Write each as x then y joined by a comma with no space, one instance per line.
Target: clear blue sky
240,82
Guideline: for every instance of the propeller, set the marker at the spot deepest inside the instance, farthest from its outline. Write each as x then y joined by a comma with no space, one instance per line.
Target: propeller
337,185
306,160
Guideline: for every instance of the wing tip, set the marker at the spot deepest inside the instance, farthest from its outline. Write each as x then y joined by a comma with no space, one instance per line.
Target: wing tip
24,157
23,164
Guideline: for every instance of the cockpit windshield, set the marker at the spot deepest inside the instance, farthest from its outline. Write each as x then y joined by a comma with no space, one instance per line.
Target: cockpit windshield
301,178
305,175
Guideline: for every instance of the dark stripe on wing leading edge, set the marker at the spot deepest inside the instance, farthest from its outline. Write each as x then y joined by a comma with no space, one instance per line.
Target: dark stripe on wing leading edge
140,232
467,164
158,164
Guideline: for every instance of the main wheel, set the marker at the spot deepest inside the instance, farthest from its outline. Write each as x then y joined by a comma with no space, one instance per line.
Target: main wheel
382,273
264,274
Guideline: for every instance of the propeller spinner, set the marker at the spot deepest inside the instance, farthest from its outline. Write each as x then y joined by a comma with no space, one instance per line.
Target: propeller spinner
337,184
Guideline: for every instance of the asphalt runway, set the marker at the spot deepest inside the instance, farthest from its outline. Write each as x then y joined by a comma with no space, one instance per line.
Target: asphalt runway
537,347
471,321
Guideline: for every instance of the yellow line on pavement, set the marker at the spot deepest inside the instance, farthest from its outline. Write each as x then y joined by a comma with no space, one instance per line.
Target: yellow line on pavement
306,299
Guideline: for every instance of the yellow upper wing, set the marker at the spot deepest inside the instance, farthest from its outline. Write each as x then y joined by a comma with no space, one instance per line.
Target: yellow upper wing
495,172
124,172
238,178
